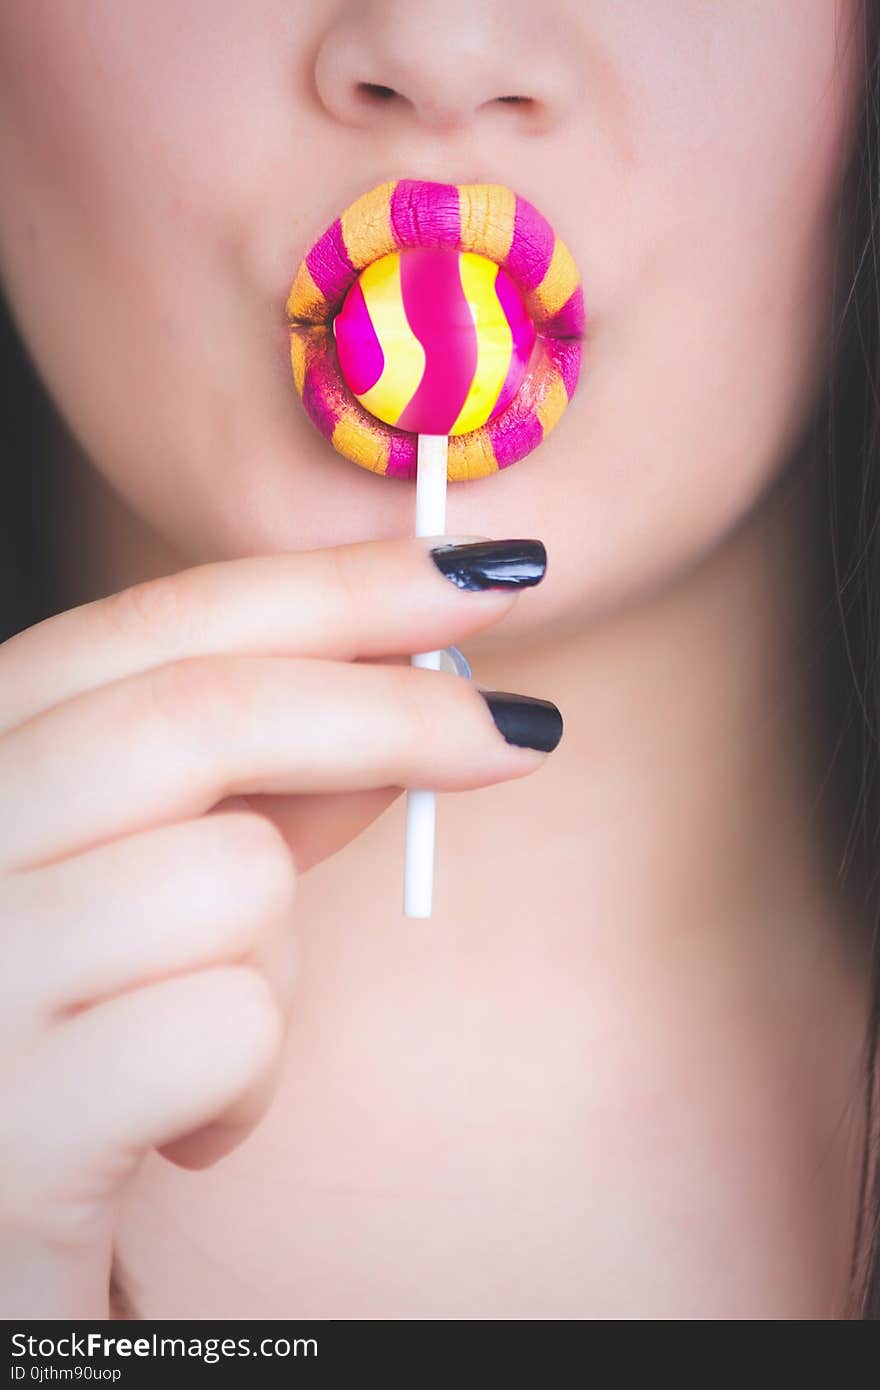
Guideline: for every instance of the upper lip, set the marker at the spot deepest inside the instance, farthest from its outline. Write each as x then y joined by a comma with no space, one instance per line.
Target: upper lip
486,218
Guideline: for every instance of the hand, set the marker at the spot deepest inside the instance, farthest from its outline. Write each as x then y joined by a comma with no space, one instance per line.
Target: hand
149,947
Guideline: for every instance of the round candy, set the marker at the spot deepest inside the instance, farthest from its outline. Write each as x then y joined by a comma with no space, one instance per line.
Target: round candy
434,341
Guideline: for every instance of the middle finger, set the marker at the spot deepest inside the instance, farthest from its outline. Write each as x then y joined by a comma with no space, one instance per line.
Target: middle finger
170,743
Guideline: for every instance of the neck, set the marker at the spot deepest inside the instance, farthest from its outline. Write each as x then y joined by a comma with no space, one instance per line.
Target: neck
692,779
693,788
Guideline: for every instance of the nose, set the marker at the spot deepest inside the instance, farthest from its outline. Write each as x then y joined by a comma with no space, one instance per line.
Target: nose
441,64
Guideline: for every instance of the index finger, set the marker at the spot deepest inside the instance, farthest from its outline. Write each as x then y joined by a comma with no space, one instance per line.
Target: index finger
365,599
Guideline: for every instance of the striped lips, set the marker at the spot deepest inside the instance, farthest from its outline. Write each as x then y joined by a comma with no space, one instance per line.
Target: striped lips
487,219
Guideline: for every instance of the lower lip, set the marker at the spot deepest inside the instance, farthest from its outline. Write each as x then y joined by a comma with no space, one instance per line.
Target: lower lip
488,219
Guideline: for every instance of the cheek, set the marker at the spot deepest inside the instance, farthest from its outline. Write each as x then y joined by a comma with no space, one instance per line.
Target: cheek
711,344
135,139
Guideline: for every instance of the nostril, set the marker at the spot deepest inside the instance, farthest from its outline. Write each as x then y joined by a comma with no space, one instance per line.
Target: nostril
529,115
375,91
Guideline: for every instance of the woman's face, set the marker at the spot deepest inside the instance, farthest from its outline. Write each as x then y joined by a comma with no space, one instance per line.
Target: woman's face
166,164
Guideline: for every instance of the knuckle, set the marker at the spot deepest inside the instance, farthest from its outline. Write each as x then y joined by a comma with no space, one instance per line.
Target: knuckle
189,696
245,999
349,582
259,861
420,726
160,609
224,882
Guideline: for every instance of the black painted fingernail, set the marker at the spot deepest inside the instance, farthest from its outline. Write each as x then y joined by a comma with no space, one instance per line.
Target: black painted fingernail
492,564
526,722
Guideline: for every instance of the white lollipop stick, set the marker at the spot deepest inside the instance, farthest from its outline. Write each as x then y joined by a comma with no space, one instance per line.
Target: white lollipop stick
421,805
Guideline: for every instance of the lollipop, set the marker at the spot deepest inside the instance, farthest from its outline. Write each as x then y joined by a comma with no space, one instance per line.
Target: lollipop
434,341
435,332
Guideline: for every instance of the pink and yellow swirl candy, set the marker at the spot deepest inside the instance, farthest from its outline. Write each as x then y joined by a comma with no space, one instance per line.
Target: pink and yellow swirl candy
434,341
437,309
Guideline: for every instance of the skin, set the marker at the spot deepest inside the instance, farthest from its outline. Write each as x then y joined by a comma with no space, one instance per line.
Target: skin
616,1075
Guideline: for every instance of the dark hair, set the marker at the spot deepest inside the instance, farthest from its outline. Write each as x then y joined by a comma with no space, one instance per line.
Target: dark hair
24,487
851,447
842,442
